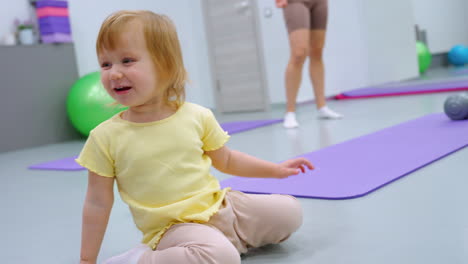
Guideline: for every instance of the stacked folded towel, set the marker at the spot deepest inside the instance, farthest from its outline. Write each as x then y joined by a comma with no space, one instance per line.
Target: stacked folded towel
54,22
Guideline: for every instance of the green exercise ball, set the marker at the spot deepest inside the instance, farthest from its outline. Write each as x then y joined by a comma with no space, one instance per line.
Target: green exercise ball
424,56
88,103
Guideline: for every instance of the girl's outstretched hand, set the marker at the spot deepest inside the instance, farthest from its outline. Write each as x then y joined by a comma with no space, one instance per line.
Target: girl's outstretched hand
293,167
281,3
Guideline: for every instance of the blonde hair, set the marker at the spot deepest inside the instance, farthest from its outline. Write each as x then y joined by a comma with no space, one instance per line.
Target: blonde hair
162,43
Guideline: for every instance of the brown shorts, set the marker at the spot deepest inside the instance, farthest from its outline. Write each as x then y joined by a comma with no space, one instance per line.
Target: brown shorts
306,14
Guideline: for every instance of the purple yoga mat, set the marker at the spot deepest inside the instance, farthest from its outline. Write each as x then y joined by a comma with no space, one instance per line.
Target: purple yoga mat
360,166
240,126
401,89
69,164
49,3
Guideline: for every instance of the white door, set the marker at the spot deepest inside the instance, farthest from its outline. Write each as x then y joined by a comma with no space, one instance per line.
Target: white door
235,55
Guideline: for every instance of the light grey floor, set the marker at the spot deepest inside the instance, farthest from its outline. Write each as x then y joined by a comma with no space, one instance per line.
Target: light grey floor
421,218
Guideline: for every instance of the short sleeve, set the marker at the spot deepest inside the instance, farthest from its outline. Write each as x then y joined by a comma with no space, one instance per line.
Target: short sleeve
95,157
214,137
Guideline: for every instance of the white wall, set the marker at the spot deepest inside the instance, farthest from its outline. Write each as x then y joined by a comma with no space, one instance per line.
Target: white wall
445,21
11,10
345,53
390,39
200,75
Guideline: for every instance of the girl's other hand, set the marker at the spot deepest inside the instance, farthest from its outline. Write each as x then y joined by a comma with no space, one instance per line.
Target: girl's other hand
293,167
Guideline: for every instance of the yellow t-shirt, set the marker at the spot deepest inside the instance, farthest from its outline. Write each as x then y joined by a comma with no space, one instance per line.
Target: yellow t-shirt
160,167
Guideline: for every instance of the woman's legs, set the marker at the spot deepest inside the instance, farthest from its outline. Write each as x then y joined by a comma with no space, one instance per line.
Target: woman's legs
316,66
318,25
299,43
317,73
297,18
306,22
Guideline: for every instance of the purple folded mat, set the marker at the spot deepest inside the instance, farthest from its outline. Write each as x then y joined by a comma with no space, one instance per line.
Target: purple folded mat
360,166
69,164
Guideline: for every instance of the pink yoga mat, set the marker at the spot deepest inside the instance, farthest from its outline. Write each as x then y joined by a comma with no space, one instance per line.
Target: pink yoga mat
360,166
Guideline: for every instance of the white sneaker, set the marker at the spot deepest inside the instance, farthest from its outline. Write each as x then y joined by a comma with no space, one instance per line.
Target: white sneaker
290,120
327,113
130,257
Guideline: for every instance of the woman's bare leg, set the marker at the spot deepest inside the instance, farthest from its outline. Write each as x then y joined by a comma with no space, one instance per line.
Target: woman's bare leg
316,66
317,73
299,45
